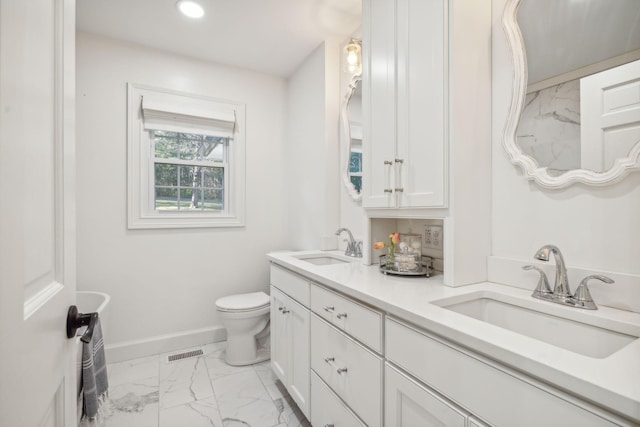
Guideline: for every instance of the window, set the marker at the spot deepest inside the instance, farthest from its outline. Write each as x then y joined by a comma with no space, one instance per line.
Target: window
189,171
186,160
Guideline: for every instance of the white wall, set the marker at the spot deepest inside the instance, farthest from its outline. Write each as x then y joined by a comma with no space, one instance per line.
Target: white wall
313,150
166,281
596,228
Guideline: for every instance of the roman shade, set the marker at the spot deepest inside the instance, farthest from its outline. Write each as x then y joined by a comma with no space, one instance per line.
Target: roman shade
202,117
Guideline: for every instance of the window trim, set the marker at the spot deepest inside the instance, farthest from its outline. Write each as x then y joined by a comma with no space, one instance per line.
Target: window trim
141,213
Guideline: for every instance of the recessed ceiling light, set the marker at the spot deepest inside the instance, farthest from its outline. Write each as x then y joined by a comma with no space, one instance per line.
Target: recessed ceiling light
190,8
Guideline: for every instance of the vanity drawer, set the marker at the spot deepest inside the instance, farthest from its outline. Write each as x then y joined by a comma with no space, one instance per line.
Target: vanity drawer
357,320
327,409
499,396
297,287
352,371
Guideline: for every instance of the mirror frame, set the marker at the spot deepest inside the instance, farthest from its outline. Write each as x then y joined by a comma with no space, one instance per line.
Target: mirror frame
620,168
345,136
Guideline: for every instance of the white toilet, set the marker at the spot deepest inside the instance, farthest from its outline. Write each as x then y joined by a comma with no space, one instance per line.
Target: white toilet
246,317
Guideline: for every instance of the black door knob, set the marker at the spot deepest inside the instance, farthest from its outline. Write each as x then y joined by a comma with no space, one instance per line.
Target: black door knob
76,320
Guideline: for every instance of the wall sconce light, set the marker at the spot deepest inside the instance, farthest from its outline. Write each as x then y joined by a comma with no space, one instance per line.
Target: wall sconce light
353,57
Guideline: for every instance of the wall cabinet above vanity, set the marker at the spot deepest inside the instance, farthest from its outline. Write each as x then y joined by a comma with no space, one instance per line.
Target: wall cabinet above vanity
405,103
427,123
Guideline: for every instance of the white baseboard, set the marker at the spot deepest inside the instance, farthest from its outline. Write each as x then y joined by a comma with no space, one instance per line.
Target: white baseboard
128,350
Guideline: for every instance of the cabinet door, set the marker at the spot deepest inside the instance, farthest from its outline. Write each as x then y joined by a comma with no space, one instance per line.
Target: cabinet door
328,409
279,338
422,47
290,347
299,371
409,404
378,103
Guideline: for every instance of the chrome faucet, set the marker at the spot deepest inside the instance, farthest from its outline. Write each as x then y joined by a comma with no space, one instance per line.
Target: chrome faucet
354,248
561,286
561,293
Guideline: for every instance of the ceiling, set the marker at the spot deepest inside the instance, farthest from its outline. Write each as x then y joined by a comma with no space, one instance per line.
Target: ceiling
564,35
268,36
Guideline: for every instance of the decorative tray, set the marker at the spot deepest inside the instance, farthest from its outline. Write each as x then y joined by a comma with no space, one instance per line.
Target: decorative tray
425,268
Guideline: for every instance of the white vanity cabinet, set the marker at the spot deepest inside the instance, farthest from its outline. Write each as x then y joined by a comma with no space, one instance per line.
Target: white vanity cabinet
350,355
405,103
487,390
290,335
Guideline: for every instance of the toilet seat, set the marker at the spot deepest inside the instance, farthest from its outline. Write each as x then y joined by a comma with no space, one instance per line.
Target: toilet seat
243,302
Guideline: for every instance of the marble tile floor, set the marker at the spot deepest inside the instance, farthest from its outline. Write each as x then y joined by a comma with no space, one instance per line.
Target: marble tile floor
194,392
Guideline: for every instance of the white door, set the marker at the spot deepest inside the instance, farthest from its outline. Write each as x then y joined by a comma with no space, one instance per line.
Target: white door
610,116
37,220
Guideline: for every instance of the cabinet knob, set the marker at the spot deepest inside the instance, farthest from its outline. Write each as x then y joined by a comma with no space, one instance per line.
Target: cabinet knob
280,308
329,359
388,190
329,425
341,371
388,162
285,311
341,315
328,309
399,190
399,161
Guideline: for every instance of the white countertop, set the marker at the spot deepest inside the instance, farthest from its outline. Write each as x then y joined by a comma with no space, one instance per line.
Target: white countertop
612,382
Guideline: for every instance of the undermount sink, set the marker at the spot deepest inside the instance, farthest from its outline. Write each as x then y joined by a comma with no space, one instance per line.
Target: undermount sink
537,321
322,259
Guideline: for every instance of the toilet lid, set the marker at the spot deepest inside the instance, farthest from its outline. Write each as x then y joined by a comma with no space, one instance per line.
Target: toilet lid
242,302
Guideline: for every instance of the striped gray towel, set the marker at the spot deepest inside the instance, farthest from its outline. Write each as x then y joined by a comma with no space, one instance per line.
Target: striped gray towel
94,373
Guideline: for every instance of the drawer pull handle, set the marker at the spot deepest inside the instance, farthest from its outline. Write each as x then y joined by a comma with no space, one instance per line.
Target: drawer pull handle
340,371
285,311
341,315
280,308
329,425
328,309
329,359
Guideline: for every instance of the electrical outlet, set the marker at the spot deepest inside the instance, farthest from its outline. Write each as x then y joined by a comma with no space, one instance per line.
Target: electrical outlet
433,237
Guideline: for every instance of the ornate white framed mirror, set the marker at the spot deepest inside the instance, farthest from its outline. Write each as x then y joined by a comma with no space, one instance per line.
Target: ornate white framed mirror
575,108
351,137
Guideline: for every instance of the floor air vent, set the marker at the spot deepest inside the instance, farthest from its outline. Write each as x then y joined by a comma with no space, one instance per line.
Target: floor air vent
185,355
